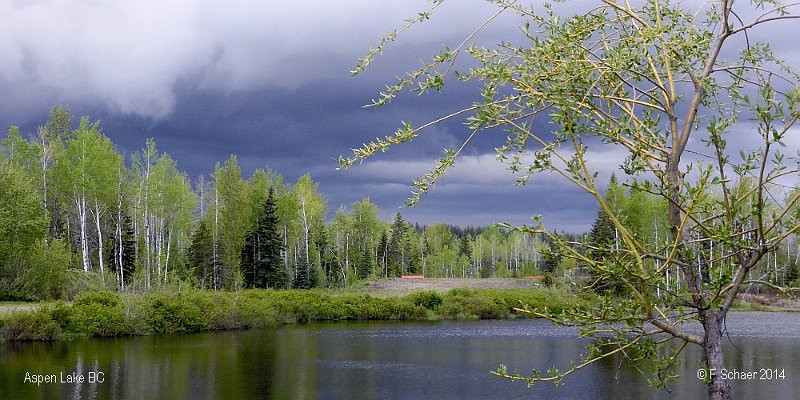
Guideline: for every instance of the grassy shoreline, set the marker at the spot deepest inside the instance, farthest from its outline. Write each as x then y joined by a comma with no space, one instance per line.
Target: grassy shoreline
110,314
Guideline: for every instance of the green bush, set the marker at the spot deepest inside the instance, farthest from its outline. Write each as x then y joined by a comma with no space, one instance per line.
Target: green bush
429,299
45,274
9,295
472,304
35,325
98,314
251,311
108,299
179,312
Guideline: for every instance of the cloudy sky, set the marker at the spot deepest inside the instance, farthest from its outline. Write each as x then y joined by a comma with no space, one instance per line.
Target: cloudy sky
269,81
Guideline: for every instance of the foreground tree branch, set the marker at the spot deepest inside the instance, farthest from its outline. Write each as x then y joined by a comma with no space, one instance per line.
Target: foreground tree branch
646,78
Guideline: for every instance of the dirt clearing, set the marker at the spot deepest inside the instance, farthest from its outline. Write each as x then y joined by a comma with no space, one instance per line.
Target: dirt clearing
402,286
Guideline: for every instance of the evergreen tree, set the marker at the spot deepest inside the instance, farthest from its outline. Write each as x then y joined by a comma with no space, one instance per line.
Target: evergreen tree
550,259
266,246
320,239
302,279
602,237
364,265
791,274
465,246
383,254
201,256
397,254
249,256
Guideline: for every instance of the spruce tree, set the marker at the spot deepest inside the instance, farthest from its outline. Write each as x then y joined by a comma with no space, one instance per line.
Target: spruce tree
397,254
248,259
268,265
602,236
201,256
364,265
465,246
383,254
302,279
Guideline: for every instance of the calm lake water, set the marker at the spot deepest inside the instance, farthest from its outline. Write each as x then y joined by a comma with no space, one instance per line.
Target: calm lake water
420,360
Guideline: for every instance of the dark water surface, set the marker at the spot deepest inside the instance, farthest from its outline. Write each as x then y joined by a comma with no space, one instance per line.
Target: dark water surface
380,360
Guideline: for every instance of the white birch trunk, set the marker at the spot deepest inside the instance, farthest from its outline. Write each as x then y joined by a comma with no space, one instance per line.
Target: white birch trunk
81,205
97,214
166,258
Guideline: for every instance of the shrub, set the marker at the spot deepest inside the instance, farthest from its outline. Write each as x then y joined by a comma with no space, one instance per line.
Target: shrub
35,325
179,312
98,314
111,314
6,295
471,304
429,299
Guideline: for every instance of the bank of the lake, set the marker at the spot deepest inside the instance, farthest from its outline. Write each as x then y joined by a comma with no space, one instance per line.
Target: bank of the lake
110,314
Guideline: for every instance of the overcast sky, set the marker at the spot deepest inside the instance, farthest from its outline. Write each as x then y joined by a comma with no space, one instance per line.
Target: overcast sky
269,81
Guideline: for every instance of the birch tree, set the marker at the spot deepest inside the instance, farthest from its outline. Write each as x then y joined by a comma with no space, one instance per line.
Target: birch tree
311,211
87,172
234,218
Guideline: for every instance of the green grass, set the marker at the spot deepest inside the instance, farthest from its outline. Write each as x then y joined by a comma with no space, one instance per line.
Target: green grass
739,305
108,314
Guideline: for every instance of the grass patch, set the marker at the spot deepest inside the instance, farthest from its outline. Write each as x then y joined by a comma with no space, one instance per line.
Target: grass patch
8,307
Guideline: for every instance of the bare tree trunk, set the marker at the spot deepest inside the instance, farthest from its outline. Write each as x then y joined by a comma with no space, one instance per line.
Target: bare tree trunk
216,250
166,261
712,320
97,214
81,205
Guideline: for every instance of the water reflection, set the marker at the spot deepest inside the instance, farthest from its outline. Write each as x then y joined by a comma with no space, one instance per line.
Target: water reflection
444,360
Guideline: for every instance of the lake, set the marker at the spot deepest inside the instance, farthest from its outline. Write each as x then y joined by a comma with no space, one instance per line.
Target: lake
379,360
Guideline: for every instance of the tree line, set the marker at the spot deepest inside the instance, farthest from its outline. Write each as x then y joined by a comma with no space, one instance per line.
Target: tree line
77,214
645,216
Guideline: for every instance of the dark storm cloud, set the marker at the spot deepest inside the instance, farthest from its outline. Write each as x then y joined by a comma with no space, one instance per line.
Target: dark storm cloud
269,81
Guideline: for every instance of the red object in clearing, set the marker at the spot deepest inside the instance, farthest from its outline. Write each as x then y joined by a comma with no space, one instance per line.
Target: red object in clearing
413,276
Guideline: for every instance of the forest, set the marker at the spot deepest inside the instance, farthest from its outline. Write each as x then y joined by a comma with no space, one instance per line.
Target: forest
77,215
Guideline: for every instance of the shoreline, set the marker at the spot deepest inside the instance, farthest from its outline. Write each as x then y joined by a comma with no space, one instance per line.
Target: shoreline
111,314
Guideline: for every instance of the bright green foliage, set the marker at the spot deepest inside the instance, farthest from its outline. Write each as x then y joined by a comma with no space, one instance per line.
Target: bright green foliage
23,227
45,271
22,213
87,174
234,219
366,233
161,204
114,314
309,218
17,151
428,299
